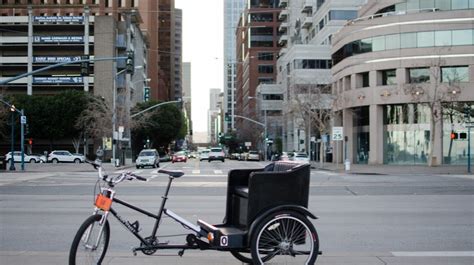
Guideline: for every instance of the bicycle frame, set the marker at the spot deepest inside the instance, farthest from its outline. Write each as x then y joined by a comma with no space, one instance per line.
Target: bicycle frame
157,217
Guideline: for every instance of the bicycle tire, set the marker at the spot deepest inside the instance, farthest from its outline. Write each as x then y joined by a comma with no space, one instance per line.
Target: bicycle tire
240,256
286,237
76,243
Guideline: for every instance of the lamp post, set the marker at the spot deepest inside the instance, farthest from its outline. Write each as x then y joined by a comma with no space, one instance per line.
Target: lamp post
260,99
114,109
12,153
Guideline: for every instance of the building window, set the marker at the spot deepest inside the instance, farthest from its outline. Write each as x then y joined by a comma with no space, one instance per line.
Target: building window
408,40
265,80
392,41
462,37
454,74
273,96
362,79
378,43
459,4
418,75
347,83
425,39
388,77
265,56
443,38
342,14
312,64
265,69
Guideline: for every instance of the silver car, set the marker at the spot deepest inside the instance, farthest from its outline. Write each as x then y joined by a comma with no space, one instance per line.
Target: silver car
17,157
148,157
65,157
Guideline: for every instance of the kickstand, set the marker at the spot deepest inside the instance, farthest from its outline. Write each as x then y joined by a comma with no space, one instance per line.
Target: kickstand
181,253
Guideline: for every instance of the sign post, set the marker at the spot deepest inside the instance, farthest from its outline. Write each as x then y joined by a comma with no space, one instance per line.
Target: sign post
337,136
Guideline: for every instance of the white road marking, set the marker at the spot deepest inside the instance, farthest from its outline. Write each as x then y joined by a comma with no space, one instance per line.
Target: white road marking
217,171
153,176
433,253
196,171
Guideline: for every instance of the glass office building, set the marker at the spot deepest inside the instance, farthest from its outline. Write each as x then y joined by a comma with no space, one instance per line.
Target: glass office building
403,78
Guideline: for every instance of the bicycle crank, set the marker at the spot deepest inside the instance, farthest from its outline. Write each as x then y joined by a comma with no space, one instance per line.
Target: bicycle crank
150,247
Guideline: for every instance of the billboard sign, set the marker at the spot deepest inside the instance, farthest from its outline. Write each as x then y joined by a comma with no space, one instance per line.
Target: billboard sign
57,80
58,19
58,39
55,59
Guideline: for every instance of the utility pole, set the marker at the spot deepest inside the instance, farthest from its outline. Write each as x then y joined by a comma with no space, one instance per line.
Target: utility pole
29,89
86,44
128,80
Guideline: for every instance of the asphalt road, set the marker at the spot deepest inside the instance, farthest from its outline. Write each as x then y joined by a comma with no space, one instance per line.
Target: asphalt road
363,219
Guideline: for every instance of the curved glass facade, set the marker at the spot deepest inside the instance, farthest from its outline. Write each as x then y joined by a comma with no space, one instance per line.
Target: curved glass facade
422,39
407,134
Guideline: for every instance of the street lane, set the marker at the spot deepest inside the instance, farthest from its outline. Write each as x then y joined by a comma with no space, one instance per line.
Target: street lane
358,213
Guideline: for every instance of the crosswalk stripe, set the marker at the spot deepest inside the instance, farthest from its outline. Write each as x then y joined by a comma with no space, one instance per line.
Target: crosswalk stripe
217,171
433,254
196,171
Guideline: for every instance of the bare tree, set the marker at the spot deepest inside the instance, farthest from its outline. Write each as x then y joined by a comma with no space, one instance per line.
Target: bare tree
433,91
4,114
312,106
95,121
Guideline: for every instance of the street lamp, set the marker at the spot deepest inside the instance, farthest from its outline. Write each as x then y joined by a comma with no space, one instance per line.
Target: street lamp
12,154
264,122
114,109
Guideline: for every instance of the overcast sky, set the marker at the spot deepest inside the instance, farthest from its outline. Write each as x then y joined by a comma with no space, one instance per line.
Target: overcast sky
203,47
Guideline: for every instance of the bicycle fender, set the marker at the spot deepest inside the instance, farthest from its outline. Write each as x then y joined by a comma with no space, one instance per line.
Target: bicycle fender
296,208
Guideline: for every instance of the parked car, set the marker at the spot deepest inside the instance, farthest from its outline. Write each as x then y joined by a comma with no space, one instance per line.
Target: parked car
284,156
253,156
301,158
17,157
204,155
148,157
179,157
64,156
216,153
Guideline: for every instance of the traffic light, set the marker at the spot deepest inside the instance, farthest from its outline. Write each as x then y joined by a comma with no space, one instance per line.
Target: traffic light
130,64
146,94
227,117
467,113
30,141
453,135
85,66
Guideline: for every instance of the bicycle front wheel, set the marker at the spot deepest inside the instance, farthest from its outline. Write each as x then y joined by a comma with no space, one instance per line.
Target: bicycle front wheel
90,243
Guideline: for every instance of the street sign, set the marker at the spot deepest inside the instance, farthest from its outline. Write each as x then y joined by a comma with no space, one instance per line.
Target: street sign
23,119
337,134
248,144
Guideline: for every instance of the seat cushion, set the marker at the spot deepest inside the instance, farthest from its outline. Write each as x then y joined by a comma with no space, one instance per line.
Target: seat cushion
242,191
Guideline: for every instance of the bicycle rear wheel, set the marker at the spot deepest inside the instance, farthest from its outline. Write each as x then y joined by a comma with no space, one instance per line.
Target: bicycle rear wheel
91,242
285,237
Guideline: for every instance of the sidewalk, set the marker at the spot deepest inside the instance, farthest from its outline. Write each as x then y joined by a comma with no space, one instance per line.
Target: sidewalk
225,258
394,169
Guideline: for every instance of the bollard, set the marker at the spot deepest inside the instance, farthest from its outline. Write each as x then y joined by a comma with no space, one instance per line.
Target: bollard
347,165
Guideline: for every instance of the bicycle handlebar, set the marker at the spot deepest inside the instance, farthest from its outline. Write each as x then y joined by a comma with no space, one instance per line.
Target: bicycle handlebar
114,180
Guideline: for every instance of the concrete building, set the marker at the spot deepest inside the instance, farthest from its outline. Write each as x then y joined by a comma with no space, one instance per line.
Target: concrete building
304,68
232,12
215,115
187,99
166,49
38,35
270,108
403,75
178,54
257,47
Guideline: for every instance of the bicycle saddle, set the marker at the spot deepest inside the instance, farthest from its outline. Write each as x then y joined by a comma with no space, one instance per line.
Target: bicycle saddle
173,173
